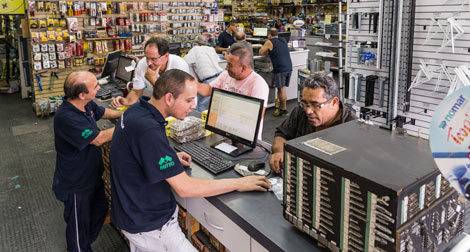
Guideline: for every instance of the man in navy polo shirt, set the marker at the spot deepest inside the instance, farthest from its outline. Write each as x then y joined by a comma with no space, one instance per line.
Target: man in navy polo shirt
227,37
144,169
79,166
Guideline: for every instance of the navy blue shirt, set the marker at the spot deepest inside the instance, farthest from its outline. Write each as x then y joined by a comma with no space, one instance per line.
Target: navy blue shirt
280,56
225,40
79,165
141,161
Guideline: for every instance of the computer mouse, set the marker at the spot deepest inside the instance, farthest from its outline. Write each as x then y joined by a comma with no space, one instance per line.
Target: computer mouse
255,165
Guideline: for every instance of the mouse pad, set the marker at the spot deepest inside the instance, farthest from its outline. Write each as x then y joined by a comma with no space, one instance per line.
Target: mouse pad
242,168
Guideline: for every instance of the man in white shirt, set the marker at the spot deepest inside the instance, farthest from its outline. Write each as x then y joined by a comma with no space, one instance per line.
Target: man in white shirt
203,63
157,60
240,78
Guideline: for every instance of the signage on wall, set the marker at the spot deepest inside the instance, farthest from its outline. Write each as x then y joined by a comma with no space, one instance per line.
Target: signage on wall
450,139
11,7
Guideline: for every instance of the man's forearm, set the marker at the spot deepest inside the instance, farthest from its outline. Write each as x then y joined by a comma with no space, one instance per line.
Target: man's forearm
204,89
278,144
103,137
133,97
111,113
219,49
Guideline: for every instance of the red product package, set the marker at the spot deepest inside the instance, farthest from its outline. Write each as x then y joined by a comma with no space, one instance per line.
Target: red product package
80,50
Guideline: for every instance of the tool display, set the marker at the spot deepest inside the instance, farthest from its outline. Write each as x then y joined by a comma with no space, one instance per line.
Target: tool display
359,199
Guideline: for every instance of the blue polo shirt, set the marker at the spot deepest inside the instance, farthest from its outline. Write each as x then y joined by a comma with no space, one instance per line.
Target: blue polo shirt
79,165
141,161
225,40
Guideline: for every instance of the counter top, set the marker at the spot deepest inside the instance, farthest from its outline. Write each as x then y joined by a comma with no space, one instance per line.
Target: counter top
259,214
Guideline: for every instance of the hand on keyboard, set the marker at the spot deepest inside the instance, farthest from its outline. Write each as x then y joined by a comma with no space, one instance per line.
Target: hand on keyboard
185,158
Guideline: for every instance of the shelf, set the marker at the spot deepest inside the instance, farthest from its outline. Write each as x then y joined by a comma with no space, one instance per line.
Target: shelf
106,38
330,46
329,57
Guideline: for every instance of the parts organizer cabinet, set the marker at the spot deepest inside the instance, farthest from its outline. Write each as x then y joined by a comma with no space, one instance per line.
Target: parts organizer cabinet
248,221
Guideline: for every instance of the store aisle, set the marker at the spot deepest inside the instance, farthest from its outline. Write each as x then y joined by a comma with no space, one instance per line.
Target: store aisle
31,217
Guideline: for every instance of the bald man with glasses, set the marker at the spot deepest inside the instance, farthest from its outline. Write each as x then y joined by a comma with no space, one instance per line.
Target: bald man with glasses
320,108
157,60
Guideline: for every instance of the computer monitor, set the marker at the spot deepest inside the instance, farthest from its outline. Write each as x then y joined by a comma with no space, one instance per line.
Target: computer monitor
236,117
111,64
175,48
121,72
260,32
285,35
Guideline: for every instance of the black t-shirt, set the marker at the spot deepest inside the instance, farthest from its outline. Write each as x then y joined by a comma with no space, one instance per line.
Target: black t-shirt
141,161
79,165
297,124
225,40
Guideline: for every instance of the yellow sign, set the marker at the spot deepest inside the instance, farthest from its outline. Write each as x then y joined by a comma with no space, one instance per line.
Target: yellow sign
11,7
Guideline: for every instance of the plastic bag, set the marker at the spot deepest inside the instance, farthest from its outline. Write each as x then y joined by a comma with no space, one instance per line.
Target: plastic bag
276,187
189,129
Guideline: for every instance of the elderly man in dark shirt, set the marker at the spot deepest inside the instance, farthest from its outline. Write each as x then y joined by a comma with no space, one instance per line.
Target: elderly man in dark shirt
320,108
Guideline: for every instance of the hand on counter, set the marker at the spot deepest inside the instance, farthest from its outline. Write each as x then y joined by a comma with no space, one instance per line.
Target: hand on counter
275,161
254,183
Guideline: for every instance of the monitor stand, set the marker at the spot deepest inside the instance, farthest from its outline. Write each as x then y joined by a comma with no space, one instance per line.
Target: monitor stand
231,147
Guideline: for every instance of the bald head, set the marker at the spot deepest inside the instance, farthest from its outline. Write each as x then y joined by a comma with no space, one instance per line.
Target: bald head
76,83
240,36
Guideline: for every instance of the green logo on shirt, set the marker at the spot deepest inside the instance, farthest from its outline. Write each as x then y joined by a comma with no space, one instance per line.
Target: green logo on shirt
166,162
86,133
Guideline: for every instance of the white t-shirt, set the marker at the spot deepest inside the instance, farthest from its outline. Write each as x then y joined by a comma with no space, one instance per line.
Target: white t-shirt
203,61
254,85
174,62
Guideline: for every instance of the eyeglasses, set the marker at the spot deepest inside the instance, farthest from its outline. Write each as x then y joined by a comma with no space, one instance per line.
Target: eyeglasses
315,106
154,59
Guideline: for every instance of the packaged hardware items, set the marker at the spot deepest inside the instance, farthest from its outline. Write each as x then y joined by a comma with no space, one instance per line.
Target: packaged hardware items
36,48
72,24
37,65
35,37
37,56
189,129
51,48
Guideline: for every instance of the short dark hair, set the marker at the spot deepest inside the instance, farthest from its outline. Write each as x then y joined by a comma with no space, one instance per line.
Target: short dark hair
233,22
162,45
72,90
238,38
172,81
323,81
273,32
243,54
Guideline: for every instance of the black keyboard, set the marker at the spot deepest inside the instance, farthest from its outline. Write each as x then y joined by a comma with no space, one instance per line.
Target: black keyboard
205,157
103,93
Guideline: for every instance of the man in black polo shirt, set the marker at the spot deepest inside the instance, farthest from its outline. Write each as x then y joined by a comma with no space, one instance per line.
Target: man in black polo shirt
227,37
276,48
320,108
79,166
144,169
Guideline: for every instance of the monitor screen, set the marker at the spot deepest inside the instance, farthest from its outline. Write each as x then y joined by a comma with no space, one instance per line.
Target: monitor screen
111,64
260,32
236,117
121,72
285,35
175,48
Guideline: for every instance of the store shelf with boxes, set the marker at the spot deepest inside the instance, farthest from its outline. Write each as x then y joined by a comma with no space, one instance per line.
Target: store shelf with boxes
77,35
